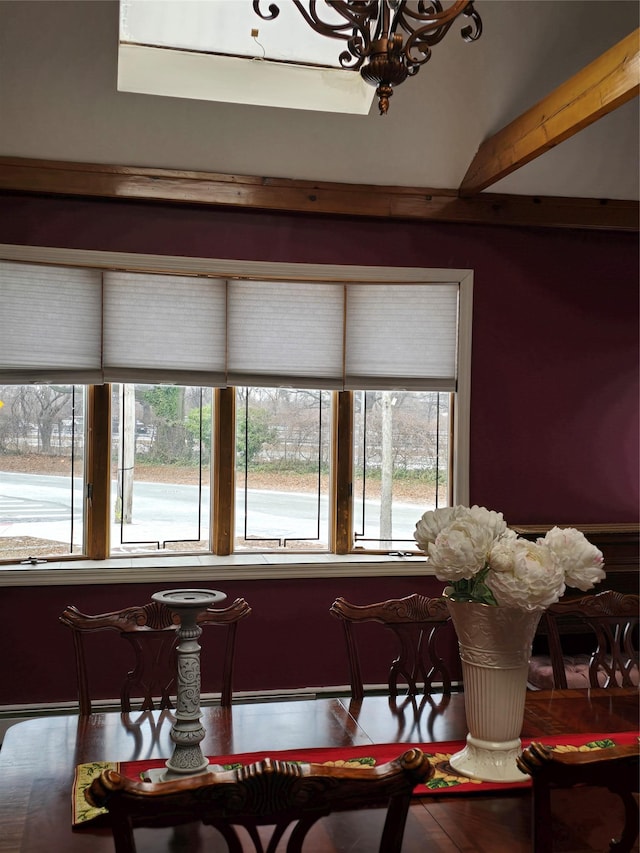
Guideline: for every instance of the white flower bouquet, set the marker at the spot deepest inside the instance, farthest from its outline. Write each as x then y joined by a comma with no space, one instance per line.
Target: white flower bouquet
487,562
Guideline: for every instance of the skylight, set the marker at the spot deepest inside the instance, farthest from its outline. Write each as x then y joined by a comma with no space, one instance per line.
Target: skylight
220,50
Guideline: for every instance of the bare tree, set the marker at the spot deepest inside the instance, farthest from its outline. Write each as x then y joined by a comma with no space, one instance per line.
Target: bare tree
44,406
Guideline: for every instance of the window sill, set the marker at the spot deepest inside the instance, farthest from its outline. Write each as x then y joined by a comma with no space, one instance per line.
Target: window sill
209,569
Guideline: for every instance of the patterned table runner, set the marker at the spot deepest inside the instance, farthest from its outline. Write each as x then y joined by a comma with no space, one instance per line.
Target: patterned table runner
445,779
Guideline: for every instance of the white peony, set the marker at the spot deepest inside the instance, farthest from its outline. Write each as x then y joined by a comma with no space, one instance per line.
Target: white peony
432,522
581,561
435,520
461,550
494,521
524,574
485,561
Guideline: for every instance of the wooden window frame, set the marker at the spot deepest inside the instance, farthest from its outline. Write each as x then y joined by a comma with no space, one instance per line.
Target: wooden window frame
222,521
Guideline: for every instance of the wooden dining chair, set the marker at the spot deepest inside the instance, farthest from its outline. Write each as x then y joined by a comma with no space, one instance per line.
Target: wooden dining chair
616,768
151,631
606,624
416,621
278,794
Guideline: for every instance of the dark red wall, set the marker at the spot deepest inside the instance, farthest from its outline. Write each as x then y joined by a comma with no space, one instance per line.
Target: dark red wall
290,640
554,415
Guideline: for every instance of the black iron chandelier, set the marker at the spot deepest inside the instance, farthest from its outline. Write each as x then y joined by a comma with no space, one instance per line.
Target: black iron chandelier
373,30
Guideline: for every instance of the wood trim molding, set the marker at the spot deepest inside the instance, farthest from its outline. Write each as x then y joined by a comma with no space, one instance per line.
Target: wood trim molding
630,528
605,84
278,194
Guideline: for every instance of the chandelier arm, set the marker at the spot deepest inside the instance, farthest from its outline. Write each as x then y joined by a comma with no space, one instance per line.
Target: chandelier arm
271,15
354,30
431,13
421,42
433,19
355,19
385,27
472,31
436,23
354,56
356,16
358,24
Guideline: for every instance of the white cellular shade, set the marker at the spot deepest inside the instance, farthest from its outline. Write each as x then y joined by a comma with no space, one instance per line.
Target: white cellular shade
285,333
81,325
49,324
160,328
401,336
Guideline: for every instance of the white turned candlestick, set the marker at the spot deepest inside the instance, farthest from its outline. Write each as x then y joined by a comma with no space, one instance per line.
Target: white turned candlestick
187,731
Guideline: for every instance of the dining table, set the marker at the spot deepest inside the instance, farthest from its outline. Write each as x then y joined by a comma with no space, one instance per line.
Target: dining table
39,756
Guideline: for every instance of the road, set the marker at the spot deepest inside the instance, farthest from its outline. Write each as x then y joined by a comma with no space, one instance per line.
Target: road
40,505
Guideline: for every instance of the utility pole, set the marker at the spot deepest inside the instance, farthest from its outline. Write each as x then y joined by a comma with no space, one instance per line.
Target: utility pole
126,454
386,474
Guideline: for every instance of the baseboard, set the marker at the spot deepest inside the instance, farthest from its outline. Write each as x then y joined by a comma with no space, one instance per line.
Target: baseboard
12,714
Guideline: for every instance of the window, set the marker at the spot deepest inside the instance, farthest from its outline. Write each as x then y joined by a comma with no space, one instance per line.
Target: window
160,468
41,471
283,465
401,463
401,447
232,407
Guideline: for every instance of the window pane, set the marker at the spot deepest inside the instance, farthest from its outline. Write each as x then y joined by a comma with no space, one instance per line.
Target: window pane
283,451
401,464
41,471
160,458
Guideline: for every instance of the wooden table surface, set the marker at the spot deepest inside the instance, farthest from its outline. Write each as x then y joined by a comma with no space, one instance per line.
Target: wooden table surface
38,758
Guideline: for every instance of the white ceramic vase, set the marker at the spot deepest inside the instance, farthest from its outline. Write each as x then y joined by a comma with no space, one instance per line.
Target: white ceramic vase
495,649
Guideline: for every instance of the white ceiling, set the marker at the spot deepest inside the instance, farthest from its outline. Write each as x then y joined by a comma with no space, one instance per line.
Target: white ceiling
59,101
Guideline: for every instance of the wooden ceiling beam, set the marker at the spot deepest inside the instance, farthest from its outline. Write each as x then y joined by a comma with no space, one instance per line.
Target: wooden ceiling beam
278,194
605,84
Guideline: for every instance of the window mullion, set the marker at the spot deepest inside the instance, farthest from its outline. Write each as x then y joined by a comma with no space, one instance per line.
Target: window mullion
342,480
98,475
223,485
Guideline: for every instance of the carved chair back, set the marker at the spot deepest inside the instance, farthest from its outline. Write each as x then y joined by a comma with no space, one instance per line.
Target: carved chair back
615,768
416,621
151,631
271,793
610,620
